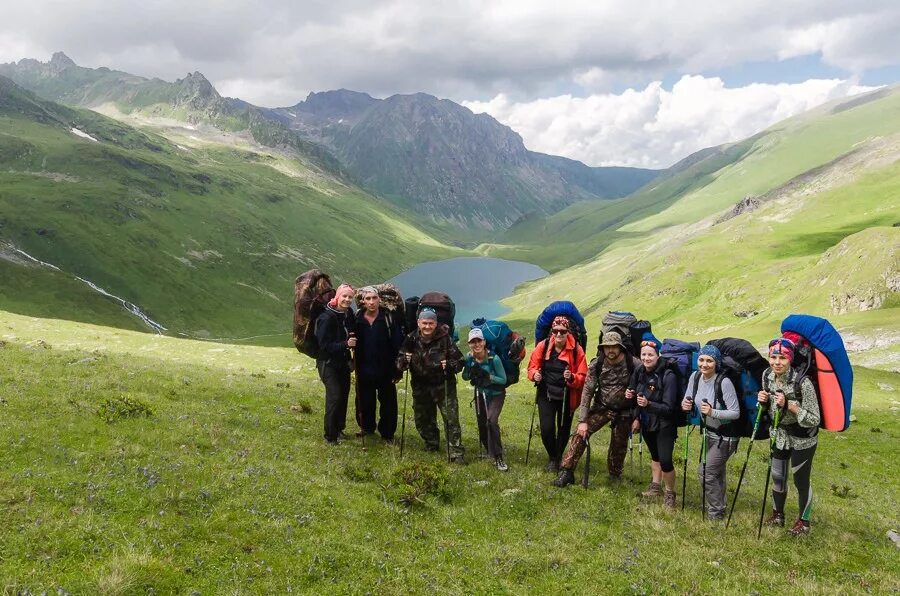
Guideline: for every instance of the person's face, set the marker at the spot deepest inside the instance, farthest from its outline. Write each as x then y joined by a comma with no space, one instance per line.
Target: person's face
612,353
560,335
649,357
345,299
477,346
371,302
779,363
427,326
707,365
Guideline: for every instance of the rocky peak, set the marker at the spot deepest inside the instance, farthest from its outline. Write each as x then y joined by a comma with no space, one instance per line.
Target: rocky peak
197,85
59,61
336,104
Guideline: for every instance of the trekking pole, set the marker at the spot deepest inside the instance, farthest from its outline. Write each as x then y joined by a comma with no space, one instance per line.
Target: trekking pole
631,453
531,428
587,463
687,439
477,420
762,513
487,435
640,454
703,460
744,468
357,399
403,424
446,424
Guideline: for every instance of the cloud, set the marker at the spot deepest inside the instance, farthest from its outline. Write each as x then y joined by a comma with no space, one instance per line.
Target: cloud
655,127
275,52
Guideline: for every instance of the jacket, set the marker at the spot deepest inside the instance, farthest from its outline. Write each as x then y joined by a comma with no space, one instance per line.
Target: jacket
377,345
607,391
573,355
661,391
333,329
495,375
425,366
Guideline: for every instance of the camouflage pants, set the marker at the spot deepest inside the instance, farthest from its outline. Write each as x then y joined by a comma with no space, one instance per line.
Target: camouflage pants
427,399
619,424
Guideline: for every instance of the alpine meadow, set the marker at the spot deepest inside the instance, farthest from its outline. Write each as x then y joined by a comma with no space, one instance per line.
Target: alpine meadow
160,434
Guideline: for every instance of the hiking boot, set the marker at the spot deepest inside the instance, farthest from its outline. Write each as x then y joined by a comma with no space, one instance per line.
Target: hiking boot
801,528
653,491
613,479
565,478
459,460
501,465
669,500
552,466
775,519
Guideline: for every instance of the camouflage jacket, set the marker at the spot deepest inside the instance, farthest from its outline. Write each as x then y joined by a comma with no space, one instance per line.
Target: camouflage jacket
425,365
605,387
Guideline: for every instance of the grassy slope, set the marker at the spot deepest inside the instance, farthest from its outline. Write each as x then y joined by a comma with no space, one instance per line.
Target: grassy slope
207,239
226,488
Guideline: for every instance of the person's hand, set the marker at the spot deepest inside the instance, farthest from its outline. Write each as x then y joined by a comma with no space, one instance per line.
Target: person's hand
793,406
444,364
636,426
409,356
351,342
779,399
629,394
582,430
687,404
642,400
567,375
762,397
705,408
538,376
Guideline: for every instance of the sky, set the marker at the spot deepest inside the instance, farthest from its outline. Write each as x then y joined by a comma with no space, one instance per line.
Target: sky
602,81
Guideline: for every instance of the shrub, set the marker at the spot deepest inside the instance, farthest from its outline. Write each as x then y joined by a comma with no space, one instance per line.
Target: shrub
123,406
413,483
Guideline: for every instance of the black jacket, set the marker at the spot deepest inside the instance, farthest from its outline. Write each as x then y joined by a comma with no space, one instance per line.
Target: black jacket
377,345
661,392
333,329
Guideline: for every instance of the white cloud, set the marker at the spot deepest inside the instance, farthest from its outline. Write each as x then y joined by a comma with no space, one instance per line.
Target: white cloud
655,127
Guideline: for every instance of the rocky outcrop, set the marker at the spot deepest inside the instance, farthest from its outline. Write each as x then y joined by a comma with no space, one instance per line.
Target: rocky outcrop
745,205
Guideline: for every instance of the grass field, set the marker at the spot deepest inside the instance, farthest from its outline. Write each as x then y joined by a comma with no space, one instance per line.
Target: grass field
228,487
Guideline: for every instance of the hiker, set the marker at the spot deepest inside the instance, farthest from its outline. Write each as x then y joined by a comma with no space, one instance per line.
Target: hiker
603,401
718,413
486,373
557,367
655,391
433,360
795,438
378,342
335,336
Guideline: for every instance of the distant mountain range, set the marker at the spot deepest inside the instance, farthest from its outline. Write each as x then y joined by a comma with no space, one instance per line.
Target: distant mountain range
431,157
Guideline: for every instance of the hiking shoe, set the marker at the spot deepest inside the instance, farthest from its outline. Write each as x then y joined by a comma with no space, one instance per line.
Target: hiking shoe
654,490
614,479
801,528
775,519
459,460
552,466
501,465
565,478
669,500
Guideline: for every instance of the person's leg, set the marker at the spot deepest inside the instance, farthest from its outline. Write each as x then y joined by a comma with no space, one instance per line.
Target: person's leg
332,397
343,376
655,488
565,428
450,411
425,416
387,398
620,428
495,406
481,419
780,459
718,450
595,421
365,404
547,412
665,445
801,468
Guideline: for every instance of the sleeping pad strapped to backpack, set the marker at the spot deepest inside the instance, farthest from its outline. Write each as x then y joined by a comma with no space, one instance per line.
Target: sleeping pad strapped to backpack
312,291
505,343
822,358
560,308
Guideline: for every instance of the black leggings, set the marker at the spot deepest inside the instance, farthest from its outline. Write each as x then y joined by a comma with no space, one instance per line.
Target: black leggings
801,467
556,423
661,444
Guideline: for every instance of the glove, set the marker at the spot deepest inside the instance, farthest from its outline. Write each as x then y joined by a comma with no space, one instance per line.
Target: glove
479,377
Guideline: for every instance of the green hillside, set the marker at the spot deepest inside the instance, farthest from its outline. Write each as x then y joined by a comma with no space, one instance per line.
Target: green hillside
205,237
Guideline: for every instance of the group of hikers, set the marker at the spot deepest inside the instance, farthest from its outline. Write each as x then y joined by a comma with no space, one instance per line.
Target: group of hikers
629,386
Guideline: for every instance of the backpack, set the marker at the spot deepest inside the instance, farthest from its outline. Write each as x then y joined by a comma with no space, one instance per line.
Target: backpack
683,356
560,308
822,358
441,303
312,291
508,345
391,301
744,366
627,325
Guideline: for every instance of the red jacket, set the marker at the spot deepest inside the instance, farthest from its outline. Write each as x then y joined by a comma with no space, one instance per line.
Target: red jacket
579,368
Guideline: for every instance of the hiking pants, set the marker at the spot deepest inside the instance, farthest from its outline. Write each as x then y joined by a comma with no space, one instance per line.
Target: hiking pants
801,468
427,399
336,378
718,450
661,444
620,426
489,423
381,390
555,420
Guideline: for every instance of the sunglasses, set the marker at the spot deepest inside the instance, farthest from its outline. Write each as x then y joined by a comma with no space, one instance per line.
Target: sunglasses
650,343
782,341
559,331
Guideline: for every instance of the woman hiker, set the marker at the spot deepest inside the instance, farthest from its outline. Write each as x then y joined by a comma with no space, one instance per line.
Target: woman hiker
334,334
486,373
655,392
718,411
558,368
795,437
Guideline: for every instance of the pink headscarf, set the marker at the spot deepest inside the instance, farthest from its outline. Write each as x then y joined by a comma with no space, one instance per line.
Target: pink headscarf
783,346
337,294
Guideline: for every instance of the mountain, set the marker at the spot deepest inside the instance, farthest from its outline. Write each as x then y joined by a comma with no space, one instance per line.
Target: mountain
440,160
200,233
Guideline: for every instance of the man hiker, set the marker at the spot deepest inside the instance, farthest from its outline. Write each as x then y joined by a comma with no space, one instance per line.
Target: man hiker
433,360
603,400
378,342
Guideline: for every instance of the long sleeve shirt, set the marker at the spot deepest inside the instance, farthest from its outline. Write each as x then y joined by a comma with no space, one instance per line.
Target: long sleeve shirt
721,413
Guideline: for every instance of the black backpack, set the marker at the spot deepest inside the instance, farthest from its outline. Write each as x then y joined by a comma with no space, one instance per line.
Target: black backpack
739,377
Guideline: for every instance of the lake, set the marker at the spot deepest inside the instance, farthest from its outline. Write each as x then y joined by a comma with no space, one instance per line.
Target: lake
476,284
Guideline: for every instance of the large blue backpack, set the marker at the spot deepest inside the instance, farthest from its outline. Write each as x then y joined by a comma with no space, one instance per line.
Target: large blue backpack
684,357
560,308
505,343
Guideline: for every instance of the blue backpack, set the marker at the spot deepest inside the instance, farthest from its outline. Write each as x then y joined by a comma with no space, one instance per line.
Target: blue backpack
684,357
505,343
560,308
